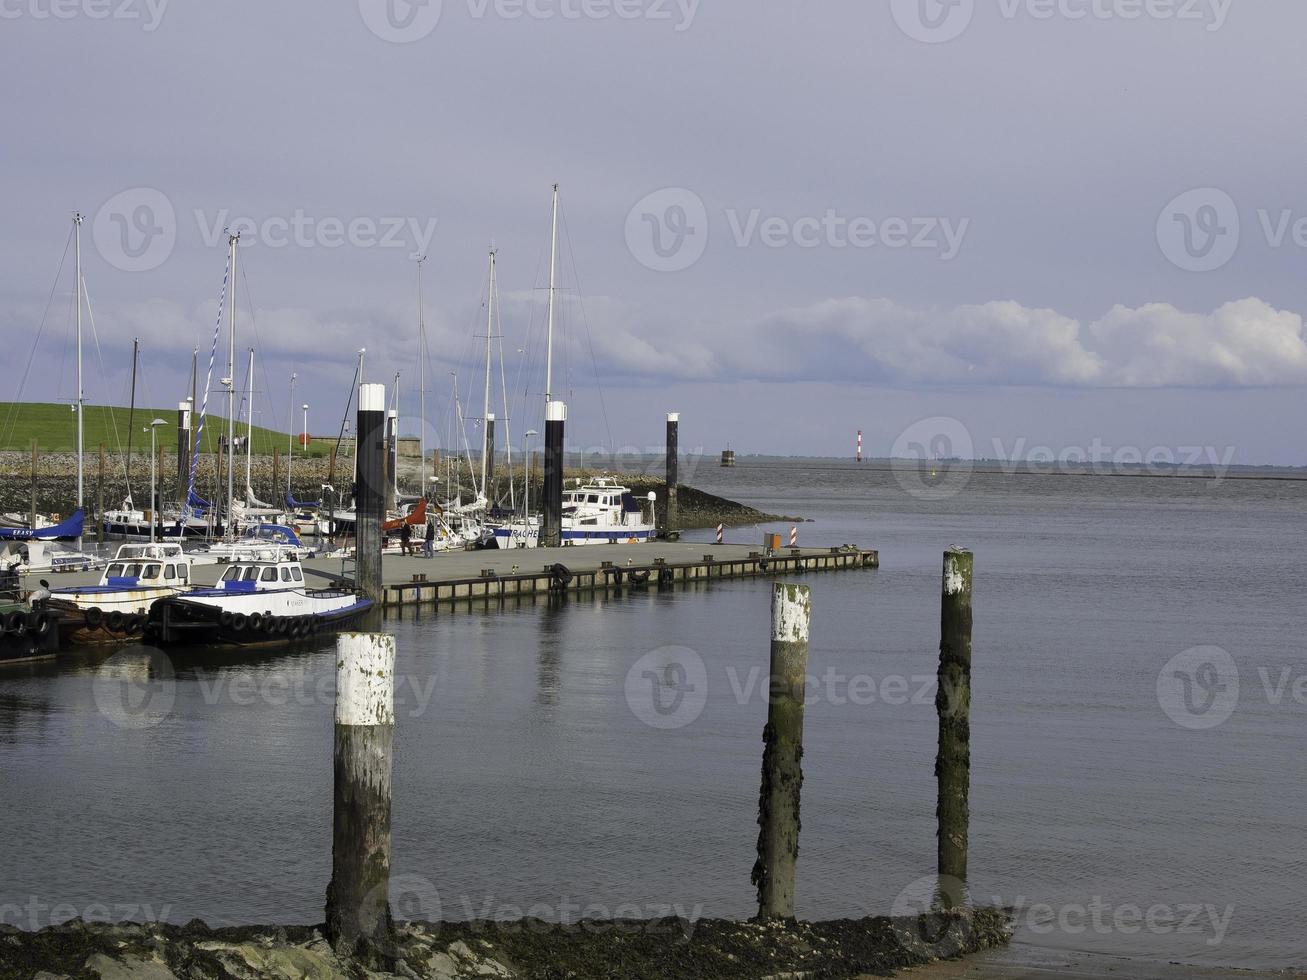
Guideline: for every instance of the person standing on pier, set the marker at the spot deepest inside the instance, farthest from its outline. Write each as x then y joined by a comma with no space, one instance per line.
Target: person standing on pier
429,542
405,538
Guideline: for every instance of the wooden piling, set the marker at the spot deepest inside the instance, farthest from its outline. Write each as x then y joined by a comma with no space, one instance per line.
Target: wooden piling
551,526
673,452
359,923
370,499
782,770
953,706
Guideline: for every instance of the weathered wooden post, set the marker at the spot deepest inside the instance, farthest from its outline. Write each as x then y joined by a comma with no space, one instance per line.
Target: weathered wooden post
782,771
359,923
953,705
673,436
370,509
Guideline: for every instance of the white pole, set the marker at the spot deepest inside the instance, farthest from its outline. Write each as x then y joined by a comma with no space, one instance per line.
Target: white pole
249,430
232,241
290,435
553,267
485,409
151,484
81,489
422,382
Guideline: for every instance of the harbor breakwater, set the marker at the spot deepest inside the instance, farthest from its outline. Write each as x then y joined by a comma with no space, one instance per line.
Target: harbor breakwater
56,485
661,949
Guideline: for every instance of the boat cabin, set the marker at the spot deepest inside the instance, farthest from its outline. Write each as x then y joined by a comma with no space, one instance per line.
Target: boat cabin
601,502
262,576
138,565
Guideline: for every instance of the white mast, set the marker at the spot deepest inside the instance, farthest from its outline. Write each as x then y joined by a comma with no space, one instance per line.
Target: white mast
232,241
249,430
485,410
422,386
549,337
290,435
77,234
394,435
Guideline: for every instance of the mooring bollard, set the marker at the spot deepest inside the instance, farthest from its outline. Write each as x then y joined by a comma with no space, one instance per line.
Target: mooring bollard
782,770
359,923
953,705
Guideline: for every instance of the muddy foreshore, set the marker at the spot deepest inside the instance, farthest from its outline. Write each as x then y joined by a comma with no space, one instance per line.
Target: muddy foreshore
667,949
56,486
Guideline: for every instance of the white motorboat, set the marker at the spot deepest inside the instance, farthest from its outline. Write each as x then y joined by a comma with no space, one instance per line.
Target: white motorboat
115,610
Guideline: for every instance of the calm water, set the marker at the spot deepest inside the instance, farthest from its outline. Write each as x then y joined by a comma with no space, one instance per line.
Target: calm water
526,781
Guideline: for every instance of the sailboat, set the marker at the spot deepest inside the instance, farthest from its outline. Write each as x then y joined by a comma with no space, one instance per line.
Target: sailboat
601,511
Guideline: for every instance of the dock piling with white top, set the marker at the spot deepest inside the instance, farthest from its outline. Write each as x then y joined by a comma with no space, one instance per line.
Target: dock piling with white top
782,770
358,917
953,705
370,495
673,438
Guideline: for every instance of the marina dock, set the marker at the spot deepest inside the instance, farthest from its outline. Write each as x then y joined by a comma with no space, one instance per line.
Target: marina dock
494,574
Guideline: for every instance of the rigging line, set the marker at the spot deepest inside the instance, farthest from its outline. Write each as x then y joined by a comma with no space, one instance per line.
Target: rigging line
99,356
11,417
262,368
589,337
188,510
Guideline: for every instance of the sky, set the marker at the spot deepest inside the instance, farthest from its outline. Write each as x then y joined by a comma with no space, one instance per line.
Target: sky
980,226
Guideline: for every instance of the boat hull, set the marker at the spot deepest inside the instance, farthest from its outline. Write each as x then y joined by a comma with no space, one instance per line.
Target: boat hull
102,615
27,634
252,619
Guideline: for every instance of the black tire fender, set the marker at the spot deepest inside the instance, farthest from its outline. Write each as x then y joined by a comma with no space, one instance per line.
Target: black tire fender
94,617
238,622
114,621
38,623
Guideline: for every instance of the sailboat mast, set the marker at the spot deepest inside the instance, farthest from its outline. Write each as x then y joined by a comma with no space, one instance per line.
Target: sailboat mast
290,435
249,428
131,418
362,351
232,241
81,489
422,387
553,269
485,409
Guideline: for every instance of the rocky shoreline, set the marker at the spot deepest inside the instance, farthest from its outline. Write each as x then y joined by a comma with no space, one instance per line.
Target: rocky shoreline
664,949
56,486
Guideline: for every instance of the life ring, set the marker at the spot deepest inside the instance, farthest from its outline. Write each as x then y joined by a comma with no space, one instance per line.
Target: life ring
38,623
114,621
94,617
238,622
256,622
133,623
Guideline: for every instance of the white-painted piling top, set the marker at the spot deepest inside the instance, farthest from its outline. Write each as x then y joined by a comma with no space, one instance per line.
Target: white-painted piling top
673,416
365,678
954,582
372,398
791,611
490,416
556,412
